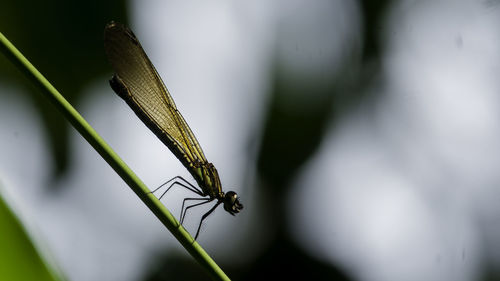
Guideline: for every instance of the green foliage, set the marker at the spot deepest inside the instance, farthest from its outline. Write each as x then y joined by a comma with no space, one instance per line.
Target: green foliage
19,257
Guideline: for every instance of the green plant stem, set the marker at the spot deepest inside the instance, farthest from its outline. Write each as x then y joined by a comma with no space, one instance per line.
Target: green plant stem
113,159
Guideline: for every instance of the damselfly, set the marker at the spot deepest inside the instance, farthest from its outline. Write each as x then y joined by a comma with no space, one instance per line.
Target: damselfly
138,83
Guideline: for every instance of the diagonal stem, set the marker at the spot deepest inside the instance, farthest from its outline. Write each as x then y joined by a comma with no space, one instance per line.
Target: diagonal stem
112,158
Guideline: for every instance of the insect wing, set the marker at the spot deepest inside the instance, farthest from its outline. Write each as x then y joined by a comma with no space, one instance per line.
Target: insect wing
142,88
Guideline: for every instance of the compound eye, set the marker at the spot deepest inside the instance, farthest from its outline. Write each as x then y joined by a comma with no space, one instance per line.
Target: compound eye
231,203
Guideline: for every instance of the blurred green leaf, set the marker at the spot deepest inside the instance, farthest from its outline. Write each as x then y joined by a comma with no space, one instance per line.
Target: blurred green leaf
19,257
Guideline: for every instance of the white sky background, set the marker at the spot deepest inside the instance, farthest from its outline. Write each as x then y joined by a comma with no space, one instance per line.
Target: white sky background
397,192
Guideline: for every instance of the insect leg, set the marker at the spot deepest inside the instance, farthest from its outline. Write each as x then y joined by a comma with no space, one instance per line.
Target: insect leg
179,181
181,217
176,178
204,217
184,212
188,187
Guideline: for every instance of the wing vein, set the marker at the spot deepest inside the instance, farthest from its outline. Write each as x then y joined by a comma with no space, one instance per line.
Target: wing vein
146,90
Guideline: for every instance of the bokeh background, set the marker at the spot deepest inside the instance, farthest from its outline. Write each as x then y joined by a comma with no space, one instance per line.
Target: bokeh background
362,136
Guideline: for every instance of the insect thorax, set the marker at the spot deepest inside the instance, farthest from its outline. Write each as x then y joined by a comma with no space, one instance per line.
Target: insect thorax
208,179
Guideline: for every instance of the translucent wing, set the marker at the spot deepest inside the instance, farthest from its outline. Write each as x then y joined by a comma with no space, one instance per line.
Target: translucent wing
139,84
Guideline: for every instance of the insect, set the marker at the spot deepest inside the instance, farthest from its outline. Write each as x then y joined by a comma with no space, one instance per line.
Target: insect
137,82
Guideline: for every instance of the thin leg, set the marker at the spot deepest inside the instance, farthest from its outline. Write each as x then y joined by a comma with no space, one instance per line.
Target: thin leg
188,187
204,217
181,217
194,205
179,181
172,179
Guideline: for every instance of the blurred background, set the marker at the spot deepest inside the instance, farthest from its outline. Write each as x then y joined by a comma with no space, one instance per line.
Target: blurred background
361,136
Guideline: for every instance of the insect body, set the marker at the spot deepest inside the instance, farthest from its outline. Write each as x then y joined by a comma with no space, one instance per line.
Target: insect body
137,82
